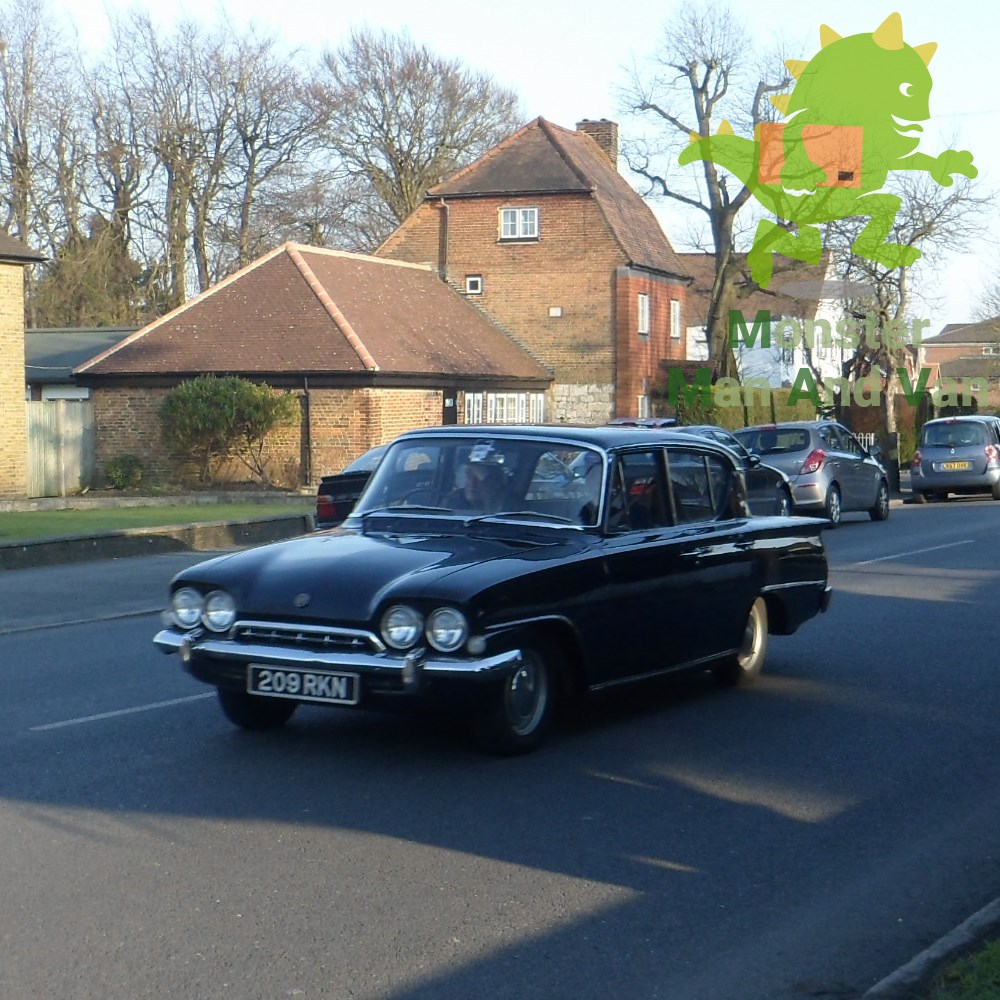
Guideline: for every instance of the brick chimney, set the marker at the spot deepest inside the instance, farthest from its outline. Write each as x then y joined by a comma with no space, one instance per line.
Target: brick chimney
605,133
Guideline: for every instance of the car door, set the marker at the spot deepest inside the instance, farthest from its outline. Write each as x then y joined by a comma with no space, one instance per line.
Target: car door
762,480
713,540
630,628
860,474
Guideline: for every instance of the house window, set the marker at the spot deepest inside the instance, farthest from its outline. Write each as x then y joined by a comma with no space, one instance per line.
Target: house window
505,407
473,284
642,409
519,224
991,349
675,319
643,322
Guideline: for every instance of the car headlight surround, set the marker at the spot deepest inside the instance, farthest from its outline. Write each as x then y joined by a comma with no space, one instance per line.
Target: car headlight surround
446,629
401,626
219,611
186,605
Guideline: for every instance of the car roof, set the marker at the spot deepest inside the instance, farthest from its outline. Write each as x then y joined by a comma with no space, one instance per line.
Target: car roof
985,417
799,424
600,436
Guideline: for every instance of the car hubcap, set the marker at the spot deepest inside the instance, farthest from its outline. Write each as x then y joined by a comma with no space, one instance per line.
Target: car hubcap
526,694
750,646
835,507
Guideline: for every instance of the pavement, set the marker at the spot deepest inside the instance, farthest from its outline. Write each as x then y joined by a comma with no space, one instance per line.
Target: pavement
905,983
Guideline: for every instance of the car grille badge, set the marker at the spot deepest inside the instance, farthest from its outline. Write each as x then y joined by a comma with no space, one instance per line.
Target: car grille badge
301,600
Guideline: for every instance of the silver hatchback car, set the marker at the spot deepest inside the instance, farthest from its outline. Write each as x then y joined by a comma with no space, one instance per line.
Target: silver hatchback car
957,455
830,470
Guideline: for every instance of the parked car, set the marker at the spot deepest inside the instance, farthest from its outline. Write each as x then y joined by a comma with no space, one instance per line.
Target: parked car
957,455
337,494
495,602
830,470
769,490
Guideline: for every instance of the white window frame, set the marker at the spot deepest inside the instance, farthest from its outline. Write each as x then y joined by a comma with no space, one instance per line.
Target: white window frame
505,407
675,319
642,407
642,306
519,223
473,284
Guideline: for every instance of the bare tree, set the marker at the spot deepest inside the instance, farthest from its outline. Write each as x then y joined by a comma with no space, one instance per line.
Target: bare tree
701,76
936,219
403,118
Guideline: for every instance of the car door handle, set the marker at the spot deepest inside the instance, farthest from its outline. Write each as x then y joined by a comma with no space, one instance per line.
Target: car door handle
696,554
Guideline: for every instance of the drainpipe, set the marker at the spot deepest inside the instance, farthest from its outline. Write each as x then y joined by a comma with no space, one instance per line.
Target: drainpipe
306,432
443,243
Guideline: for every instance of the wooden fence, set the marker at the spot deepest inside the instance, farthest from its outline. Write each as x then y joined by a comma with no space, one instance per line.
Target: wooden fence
60,447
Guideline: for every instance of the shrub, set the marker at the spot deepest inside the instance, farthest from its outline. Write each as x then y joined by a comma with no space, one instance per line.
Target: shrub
124,472
209,420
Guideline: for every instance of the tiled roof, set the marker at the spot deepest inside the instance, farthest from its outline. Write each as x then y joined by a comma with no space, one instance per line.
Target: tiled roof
972,367
543,158
12,249
50,355
986,332
307,311
795,289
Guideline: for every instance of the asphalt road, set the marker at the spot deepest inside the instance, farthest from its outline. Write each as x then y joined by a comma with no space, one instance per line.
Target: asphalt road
798,839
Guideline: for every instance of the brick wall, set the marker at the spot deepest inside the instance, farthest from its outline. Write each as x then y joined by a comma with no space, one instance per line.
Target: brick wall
569,269
343,423
639,356
13,412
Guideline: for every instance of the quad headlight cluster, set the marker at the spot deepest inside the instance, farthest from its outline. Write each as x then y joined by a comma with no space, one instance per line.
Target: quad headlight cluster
215,610
445,628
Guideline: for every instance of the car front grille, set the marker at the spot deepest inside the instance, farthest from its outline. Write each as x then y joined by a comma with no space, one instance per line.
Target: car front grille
316,637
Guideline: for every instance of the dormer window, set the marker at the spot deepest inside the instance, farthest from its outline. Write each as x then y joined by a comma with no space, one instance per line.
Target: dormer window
519,224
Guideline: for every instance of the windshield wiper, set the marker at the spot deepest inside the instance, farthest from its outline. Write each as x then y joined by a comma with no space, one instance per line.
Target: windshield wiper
408,508
533,515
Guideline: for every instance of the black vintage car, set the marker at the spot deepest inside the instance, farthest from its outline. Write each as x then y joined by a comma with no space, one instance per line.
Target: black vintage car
494,569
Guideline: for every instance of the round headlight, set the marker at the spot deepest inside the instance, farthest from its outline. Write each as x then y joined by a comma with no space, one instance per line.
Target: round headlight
446,629
401,626
186,605
219,611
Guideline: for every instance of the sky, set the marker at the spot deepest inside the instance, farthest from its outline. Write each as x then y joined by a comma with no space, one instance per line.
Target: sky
569,61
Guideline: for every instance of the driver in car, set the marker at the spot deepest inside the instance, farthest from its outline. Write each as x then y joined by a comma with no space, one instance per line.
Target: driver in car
483,488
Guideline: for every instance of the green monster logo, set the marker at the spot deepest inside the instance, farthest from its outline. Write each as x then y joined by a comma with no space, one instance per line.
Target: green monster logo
854,114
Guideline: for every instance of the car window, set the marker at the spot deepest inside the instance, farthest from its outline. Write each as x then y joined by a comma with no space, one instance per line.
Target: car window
848,442
636,500
699,485
954,434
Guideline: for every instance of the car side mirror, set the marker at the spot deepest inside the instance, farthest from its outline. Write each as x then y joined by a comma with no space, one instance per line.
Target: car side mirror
754,460
875,451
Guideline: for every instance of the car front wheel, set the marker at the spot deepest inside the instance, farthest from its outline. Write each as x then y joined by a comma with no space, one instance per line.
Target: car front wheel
832,509
250,711
745,666
518,714
881,509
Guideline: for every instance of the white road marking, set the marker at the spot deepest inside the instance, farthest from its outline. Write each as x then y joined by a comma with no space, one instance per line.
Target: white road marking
122,711
914,552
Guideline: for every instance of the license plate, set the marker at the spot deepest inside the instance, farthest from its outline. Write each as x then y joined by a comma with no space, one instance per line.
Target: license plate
330,687
955,466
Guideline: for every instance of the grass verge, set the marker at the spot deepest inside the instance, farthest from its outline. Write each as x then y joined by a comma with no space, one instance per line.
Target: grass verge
22,526
974,978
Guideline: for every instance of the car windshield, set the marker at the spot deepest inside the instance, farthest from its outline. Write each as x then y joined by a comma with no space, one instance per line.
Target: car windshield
954,434
478,476
773,440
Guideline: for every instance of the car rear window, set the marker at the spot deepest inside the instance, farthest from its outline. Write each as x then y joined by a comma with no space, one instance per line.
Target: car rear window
957,434
773,440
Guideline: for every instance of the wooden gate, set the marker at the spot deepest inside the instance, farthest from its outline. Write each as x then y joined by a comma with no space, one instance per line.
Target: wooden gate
60,447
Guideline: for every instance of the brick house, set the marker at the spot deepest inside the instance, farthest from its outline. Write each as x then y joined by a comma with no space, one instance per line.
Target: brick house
965,352
545,236
14,257
371,347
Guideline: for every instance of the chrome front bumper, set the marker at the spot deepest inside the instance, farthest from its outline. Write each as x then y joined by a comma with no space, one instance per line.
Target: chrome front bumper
408,668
